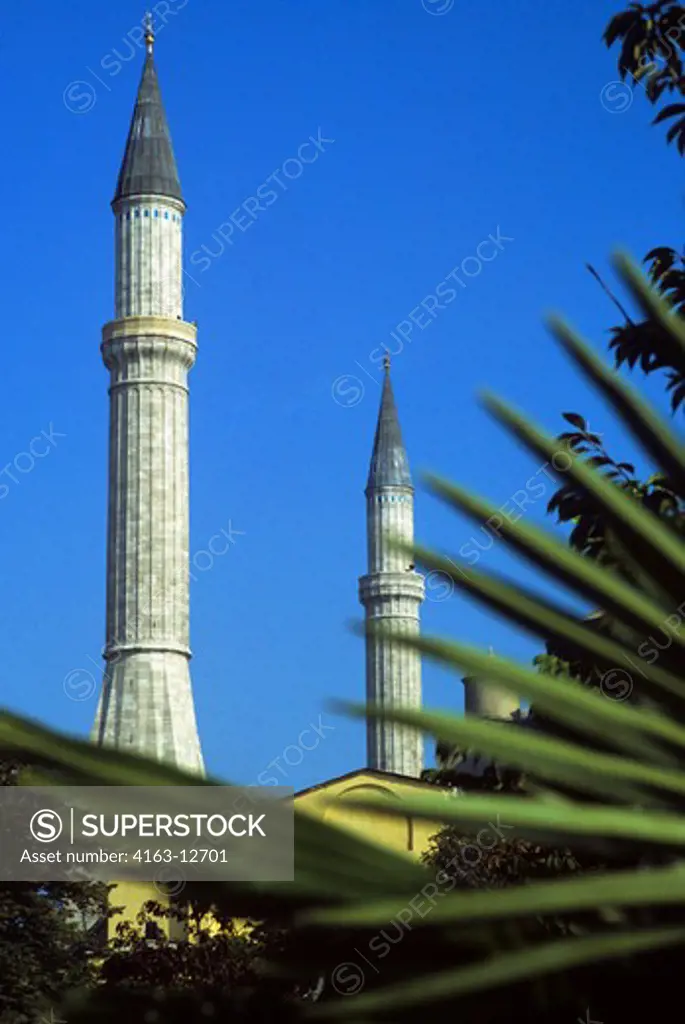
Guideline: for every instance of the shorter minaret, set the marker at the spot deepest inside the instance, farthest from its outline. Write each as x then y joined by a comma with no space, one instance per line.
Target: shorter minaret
391,592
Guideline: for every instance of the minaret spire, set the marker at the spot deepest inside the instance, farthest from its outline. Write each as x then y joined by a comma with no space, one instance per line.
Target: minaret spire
146,704
389,463
391,593
149,165
149,33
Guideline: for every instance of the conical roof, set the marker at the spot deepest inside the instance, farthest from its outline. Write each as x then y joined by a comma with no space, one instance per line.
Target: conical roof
149,166
389,462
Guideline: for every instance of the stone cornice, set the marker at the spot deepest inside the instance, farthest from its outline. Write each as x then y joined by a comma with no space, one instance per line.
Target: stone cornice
112,651
392,584
149,326
147,199
149,336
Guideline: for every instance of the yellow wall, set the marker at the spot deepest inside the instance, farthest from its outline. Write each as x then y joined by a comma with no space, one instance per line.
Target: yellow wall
131,895
329,801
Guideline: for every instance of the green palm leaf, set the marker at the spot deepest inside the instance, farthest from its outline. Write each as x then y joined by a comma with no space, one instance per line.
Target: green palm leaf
545,618
649,429
620,726
554,759
537,817
543,549
651,302
660,550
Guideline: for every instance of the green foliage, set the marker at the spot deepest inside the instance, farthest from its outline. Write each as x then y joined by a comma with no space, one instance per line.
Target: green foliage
591,534
464,770
48,938
209,974
497,865
652,40
645,344
650,345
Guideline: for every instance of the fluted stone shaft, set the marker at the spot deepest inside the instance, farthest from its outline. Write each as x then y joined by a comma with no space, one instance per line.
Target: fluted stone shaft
146,704
392,593
389,513
148,265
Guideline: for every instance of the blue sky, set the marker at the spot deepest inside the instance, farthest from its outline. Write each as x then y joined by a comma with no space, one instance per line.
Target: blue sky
444,127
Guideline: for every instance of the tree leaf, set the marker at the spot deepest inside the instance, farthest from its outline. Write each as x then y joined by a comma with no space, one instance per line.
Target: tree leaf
575,420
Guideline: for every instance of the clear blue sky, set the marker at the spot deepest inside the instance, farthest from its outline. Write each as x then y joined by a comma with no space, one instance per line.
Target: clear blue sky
446,126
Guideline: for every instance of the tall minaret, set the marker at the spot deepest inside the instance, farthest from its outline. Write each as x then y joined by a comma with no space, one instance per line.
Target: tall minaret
146,705
391,593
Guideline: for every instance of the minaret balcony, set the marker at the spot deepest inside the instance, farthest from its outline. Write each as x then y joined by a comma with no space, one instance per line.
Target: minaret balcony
154,326
387,585
137,338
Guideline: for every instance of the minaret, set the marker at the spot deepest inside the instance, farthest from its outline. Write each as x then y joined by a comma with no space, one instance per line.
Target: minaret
391,593
146,705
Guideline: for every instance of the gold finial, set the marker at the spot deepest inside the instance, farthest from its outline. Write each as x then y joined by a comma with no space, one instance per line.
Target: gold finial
149,32
386,362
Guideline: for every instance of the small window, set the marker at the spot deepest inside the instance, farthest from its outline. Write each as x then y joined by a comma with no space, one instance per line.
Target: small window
156,213
166,215
137,213
128,215
147,213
